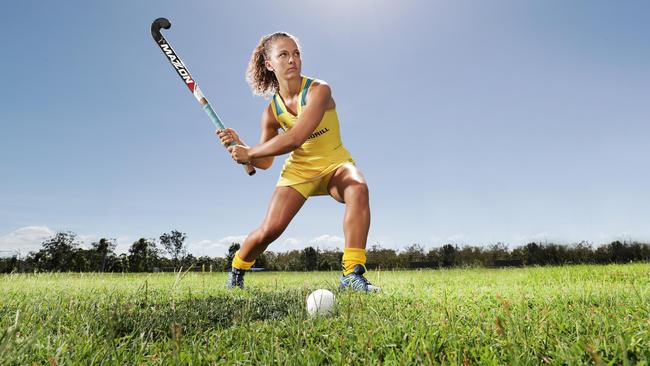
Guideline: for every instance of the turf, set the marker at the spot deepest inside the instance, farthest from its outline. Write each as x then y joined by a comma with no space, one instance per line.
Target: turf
554,315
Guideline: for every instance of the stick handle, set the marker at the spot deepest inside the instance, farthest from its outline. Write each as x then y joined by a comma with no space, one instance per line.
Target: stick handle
250,170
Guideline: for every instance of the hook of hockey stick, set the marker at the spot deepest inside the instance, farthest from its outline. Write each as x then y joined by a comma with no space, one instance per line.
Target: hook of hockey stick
156,25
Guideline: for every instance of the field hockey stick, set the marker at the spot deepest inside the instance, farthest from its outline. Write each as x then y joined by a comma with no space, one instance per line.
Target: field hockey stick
184,73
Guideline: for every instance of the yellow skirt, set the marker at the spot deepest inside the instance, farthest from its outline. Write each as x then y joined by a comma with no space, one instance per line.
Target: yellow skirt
315,187
309,172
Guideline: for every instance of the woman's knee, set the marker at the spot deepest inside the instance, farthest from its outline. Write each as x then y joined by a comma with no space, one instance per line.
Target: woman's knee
357,193
269,232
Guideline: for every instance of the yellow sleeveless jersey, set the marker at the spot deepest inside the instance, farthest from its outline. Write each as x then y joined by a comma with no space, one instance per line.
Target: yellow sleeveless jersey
321,154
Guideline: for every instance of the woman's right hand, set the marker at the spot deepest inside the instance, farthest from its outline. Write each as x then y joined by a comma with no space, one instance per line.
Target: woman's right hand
227,136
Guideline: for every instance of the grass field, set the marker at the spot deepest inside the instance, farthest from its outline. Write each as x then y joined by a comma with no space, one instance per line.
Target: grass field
560,315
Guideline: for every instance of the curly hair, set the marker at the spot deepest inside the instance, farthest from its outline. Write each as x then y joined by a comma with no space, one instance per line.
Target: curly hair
262,81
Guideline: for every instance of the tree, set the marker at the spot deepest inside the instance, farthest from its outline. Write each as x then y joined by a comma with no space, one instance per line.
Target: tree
119,263
498,251
143,255
640,251
82,260
448,255
434,255
270,261
8,264
378,257
413,253
59,252
290,261
261,261
533,253
234,247
472,256
620,252
173,243
102,250
581,252
329,259
310,258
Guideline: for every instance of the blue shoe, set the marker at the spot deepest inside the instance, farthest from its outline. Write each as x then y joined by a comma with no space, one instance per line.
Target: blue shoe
356,282
236,278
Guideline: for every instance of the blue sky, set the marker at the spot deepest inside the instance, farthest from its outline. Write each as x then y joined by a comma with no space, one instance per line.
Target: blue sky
474,122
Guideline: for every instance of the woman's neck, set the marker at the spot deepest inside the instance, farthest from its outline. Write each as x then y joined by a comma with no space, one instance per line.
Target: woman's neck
289,88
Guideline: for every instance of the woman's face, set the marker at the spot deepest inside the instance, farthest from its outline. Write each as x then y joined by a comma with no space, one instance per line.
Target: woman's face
285,59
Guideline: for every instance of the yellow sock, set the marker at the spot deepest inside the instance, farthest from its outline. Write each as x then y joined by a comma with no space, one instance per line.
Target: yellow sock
239,263
352,257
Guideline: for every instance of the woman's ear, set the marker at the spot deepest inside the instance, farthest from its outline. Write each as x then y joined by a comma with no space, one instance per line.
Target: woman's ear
268,66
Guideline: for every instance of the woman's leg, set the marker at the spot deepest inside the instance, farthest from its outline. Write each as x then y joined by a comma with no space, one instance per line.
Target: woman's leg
284,205
348,186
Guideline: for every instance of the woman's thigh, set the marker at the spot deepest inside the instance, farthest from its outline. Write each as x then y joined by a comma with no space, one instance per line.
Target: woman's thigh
285,204
344,177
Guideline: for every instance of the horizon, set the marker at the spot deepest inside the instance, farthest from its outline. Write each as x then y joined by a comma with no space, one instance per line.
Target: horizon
122,247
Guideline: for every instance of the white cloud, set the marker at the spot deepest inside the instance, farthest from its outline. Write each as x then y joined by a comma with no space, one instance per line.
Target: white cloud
25,239
232,239
86,240
123,243
287,245
383,241
324,241
328,242
30,238
292,241
214,248
219,247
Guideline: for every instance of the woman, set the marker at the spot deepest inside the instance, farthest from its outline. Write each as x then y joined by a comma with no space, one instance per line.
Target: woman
318,164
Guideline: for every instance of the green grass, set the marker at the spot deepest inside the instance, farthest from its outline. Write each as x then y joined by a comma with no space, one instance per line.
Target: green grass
559,315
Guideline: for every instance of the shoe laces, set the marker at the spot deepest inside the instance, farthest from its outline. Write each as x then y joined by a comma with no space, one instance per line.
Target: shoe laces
237,275
358,279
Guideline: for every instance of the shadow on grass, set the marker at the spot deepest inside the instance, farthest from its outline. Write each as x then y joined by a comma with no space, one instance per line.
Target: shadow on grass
196,315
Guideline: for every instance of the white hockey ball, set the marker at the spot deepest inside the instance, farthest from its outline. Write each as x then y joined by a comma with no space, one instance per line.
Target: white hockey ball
320,302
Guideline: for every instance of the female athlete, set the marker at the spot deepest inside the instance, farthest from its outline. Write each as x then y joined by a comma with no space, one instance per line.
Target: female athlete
319,164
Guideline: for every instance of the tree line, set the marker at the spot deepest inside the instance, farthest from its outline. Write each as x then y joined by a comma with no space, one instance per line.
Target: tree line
63,252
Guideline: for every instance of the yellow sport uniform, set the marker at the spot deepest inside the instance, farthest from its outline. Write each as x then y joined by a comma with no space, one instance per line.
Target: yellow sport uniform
310,167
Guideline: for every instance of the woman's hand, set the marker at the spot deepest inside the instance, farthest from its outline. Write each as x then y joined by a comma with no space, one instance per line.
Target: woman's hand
227,136
240,153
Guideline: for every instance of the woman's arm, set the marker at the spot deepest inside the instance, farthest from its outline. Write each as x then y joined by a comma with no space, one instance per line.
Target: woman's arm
319,97
269,127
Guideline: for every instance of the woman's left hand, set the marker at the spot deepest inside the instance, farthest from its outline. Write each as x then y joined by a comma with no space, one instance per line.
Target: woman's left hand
239,153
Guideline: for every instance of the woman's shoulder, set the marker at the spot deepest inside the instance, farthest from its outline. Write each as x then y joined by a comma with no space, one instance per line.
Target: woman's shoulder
323,88
319,85
316,82
269,118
